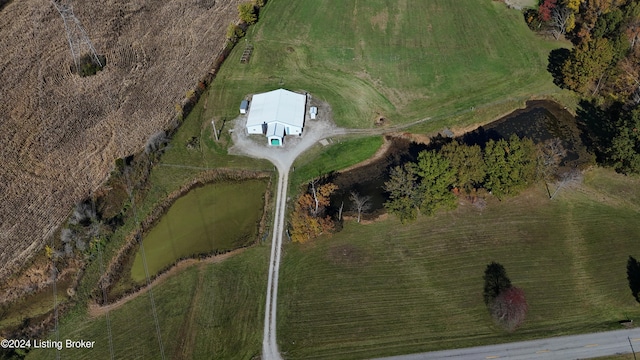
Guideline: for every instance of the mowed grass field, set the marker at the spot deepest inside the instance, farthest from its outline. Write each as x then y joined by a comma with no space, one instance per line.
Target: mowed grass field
342,153
218,216
387,288
403,60
209,311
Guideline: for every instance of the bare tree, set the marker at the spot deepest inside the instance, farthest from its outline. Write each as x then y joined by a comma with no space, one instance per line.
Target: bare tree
360,203
550,155
635,96
559,20
83,213
67,235
156,142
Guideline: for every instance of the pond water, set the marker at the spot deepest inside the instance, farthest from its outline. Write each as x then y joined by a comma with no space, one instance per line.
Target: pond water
539,121
215,217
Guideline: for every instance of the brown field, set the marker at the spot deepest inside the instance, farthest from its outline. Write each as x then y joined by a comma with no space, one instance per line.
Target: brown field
60,133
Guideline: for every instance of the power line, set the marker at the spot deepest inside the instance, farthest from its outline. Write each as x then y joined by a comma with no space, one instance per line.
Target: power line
104,290
104,297
146,268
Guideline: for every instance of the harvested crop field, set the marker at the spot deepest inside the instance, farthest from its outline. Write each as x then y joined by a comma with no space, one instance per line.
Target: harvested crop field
60,133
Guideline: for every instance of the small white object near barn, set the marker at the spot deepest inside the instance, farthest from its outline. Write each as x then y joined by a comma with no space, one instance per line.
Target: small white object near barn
313,111
275,114
244,106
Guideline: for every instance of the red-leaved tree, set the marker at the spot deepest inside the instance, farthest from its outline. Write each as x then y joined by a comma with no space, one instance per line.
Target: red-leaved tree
545,9
509,308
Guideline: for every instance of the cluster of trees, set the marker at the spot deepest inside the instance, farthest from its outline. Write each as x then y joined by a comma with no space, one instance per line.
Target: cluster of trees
248,14
506,303
309,218
504,168
603,67
80,238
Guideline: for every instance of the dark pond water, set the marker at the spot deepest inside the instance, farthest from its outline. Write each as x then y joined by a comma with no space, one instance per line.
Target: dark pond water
539,121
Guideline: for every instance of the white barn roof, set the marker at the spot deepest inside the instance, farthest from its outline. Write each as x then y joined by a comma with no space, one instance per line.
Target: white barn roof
280,105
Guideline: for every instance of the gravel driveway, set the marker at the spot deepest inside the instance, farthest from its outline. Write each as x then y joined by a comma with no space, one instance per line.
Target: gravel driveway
281,156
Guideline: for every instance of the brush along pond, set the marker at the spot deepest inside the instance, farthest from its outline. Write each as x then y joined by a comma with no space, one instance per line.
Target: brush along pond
213,218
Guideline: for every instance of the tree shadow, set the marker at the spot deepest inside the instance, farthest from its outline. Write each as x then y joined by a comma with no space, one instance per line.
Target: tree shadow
495,281
596,127
557,58
480,137
633,275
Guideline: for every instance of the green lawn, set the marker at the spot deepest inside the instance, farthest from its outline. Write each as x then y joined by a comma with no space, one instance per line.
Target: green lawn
618,357
405,60
219,216
213,311
194,144
385,289
342,153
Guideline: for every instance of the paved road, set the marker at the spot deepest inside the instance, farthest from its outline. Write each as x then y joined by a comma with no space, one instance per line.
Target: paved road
558,348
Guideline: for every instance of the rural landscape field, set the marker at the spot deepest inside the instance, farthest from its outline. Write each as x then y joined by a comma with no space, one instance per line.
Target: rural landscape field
177,261
61,133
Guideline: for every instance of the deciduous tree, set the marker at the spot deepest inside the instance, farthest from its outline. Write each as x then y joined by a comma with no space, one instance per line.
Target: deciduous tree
234,32
550,155
509,308
360,202
544,10
510,165
247,13
404,193
308,219
586,66
574,5
562,20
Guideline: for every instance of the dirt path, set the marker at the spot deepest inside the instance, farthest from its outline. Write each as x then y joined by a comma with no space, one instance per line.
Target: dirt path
96,310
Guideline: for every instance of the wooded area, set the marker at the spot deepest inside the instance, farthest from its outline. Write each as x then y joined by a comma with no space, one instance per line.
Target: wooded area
503,168
603,68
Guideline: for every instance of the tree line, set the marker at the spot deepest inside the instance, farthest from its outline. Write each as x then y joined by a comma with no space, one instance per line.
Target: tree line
603,67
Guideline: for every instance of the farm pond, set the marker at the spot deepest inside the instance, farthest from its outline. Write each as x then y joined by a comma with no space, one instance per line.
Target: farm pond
216,217
540,120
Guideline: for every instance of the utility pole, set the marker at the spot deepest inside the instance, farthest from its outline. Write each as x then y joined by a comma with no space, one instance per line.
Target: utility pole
634,353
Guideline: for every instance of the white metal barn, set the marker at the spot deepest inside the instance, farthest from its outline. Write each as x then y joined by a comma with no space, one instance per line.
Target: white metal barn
275,114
